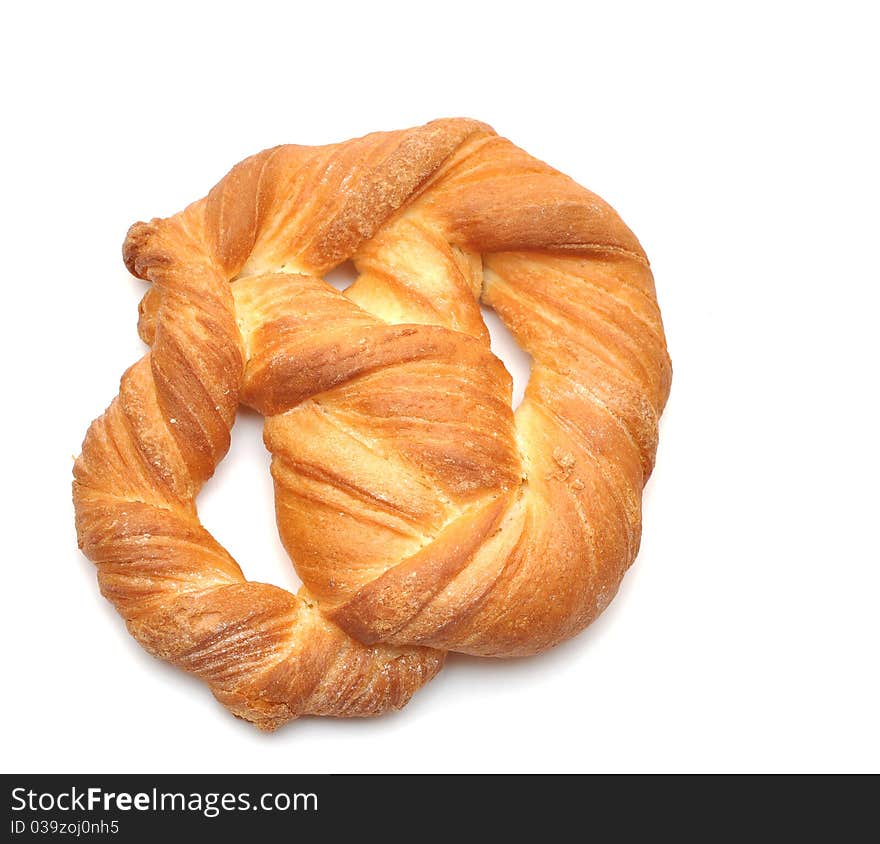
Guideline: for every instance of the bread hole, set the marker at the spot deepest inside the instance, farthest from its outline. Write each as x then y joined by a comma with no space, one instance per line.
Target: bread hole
238,507
517,361
343,276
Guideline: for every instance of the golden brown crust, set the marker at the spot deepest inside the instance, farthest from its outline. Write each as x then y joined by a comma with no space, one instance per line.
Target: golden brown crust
421,513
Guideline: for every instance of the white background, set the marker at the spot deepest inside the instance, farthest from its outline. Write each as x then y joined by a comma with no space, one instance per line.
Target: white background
742,150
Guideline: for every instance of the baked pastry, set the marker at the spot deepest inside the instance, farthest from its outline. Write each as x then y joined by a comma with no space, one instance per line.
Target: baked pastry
421,513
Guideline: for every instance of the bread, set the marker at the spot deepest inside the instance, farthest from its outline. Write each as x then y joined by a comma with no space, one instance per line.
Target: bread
421,513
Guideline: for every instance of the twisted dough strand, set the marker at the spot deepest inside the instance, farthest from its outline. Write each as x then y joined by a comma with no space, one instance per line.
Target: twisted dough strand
268,655
421,514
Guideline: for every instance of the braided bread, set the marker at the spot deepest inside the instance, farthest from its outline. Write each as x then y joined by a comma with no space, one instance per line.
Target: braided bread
422,514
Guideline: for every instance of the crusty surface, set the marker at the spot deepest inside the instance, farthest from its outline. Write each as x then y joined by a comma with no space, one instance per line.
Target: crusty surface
421,513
